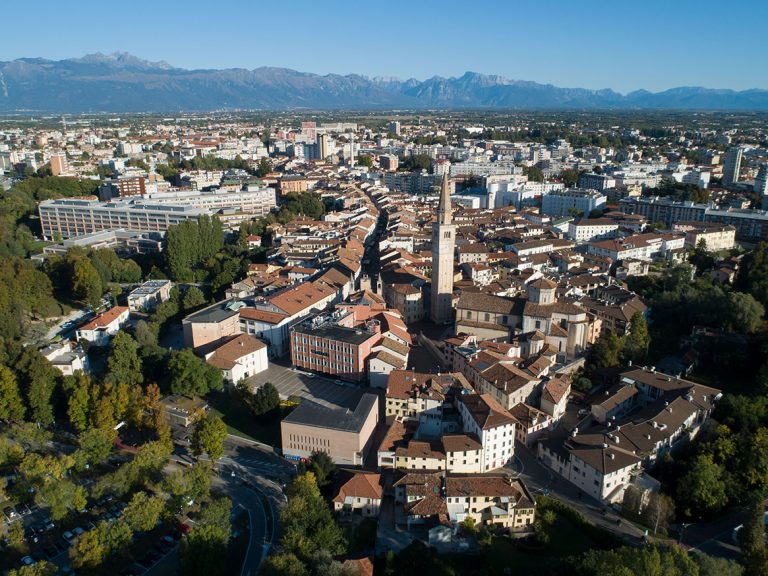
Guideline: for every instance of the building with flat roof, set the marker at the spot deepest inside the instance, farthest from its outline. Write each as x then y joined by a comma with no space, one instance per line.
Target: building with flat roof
564,203
320,344
67,217
183,410
211,324
121,241
149,295
345,435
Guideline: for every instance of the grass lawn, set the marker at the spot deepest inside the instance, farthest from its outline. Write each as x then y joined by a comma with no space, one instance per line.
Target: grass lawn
241,422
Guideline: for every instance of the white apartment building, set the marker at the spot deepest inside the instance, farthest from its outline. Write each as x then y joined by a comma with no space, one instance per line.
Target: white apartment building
563,203
589,229
100,330
149,295
484,417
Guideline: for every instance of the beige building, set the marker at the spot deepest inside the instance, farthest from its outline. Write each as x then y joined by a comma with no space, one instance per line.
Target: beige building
239,357
345,435
211,324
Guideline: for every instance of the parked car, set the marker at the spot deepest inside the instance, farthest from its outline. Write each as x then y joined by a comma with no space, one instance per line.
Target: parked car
27,560
68,536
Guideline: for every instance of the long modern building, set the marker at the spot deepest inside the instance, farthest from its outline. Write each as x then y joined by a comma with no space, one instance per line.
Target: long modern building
67,217
749,224
251,200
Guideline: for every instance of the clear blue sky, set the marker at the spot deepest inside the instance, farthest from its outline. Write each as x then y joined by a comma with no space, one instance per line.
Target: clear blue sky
592,44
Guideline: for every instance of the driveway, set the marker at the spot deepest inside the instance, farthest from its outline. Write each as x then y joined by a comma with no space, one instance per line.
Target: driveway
320,389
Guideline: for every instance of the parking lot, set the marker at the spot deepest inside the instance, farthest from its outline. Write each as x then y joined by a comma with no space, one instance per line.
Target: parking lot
320,389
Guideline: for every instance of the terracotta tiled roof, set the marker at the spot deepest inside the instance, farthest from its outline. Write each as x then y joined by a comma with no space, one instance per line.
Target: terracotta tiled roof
486,411
228,354
105,319
360,485
262,315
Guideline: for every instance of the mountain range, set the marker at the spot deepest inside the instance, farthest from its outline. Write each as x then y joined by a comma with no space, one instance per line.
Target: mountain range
121,82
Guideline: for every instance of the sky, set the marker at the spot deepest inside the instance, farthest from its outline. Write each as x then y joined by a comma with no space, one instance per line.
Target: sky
616,44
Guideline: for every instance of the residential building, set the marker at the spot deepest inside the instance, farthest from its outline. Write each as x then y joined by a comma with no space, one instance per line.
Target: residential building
147,296
484,417
590,229
67,357
358,493
345,435
599,182
238,357
732,165
100,330
572,200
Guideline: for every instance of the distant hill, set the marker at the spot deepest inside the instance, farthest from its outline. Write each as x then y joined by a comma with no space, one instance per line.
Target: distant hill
123,83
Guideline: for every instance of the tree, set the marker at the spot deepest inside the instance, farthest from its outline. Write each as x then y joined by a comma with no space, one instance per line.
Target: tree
193,298
321,465
79,404
203,551
11,405
659,512
123,363
95,446
208,436
39,568
38,380
752,538
606,352
191,376
190,484
746,313
702,489
365,160
95,545
283,564
637,341
86,282
266,398
143,511
306,521
61,496
753,274
712,566
16,534
626,561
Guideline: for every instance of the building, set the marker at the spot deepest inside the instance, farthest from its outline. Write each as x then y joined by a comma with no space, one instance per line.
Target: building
67,217
121,241
239,357
100,330
149,295
590,229
250,201
211,324
389,162
732,165
487,316
761,181
182,410
599,182
394,127
485,418
573,200
358,493
345,435
321,345
59,164
67,357
433,500
443,241
714,236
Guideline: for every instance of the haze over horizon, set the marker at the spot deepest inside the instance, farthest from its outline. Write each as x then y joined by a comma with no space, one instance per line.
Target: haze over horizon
589,45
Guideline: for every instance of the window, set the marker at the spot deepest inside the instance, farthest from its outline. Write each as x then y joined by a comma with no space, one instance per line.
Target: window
487,317
446,234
